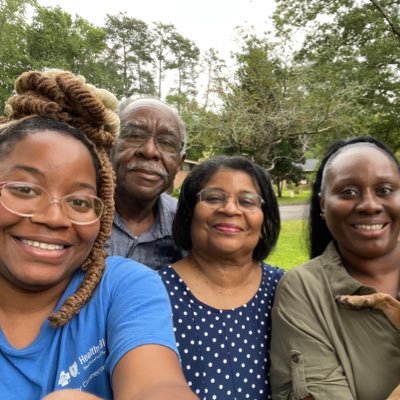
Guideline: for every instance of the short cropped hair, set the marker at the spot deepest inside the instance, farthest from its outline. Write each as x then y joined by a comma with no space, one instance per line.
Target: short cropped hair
319,234
198,178
133,99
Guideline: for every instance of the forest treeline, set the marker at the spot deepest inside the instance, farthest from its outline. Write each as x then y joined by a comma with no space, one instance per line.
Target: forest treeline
330,70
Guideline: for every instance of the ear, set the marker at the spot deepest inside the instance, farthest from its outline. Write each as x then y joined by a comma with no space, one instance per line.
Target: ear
183,157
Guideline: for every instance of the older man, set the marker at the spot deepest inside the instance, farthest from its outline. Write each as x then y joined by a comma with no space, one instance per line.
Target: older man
146,157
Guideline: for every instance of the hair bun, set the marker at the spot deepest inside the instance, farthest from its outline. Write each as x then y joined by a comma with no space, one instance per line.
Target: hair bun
63,96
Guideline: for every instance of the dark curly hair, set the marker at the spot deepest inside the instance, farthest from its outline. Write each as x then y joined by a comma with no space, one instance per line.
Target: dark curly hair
319,234
198,178
63,102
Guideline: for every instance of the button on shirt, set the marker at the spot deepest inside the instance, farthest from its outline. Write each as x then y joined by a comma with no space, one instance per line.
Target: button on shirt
154,248
327,349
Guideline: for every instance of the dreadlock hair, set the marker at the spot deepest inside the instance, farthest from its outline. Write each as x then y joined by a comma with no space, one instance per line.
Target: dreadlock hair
319,234
61,101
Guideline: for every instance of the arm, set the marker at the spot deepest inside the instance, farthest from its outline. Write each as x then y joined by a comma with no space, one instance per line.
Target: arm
143,361
150,372
304,355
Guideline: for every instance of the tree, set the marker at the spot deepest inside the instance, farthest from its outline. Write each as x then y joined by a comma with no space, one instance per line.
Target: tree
185,58
216,81
81,41
131,50
271,103
13,55
163,36
285,168
356,44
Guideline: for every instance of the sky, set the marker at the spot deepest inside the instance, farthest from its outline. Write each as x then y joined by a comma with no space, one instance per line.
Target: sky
209,23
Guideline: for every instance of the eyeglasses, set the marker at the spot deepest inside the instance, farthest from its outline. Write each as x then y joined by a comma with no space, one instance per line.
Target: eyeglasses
245,201
27,200
166,144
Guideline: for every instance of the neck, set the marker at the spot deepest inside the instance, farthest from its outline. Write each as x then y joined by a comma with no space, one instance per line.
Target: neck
138,215
18,301
23,312
132,208
220,284
383,274
225,273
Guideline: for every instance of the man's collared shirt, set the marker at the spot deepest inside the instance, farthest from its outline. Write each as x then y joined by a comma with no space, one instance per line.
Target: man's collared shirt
154,248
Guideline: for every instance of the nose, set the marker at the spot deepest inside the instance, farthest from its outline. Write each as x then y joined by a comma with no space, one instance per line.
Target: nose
149,149
369,203
52,215
231,206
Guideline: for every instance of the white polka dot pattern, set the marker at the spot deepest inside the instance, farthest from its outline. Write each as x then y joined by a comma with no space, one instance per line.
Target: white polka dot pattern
224,352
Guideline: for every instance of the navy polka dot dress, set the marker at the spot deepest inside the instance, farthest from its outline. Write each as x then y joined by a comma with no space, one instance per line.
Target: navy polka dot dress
225,353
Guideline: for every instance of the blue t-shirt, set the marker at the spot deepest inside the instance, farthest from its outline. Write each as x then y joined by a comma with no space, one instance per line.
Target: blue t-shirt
224,353
129,308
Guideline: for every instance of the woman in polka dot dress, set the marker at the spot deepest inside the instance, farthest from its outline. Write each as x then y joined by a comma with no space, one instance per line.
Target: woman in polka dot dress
222,292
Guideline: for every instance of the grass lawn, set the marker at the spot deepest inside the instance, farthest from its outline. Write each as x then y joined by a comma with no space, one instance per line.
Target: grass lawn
291,249
289,197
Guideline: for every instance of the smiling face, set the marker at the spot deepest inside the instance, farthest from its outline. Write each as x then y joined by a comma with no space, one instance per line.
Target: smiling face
361,202
144,172
44,250
227,231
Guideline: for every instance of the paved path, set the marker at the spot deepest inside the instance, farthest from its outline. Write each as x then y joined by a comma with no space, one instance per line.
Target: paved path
294,212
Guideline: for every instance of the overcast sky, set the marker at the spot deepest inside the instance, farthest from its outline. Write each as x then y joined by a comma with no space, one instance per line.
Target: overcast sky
209,23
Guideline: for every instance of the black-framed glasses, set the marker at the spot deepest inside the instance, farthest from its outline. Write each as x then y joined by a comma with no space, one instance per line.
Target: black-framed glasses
165,143
245,201
27,200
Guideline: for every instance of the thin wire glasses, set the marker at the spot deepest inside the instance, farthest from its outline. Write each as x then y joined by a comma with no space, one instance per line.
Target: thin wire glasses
245,201
27,199
165,143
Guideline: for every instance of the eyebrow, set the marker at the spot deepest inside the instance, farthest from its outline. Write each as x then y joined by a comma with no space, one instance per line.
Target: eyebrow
37,172
163,131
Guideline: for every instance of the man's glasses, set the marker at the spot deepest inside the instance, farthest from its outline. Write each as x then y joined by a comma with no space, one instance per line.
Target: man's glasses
166,144
27,199
245,201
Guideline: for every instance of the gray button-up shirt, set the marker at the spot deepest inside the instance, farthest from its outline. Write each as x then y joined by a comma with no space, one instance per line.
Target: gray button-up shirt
154,248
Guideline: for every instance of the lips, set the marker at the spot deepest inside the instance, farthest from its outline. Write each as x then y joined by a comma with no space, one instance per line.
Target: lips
228,228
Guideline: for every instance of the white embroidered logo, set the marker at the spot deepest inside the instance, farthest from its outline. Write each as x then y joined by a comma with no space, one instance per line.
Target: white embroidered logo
65,377
73,369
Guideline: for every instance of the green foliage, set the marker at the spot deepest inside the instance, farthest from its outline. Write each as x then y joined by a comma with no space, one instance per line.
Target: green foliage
13,57
287,155
351,44
291,249
131,49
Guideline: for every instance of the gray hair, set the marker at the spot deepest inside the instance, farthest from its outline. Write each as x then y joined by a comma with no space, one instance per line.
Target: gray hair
132,99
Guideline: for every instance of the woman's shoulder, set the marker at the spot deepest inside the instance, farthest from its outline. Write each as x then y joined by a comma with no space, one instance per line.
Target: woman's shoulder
270,270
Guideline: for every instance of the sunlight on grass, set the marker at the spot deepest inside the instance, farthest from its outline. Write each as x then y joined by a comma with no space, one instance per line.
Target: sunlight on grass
291,249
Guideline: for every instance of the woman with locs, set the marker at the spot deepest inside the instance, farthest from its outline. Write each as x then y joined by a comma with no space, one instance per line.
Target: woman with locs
74,324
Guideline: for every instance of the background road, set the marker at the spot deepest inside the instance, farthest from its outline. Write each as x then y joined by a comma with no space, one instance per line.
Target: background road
294,212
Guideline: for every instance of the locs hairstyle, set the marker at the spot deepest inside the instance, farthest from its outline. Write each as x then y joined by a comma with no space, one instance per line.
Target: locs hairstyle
198,178
63,102
319,235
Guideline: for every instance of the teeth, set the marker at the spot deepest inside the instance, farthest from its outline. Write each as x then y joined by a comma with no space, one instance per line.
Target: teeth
374,227
42,245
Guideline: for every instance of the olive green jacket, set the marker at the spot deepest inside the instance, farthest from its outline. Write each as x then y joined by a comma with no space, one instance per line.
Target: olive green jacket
325,349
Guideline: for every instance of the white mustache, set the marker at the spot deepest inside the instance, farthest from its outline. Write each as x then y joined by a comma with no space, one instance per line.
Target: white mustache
150,167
